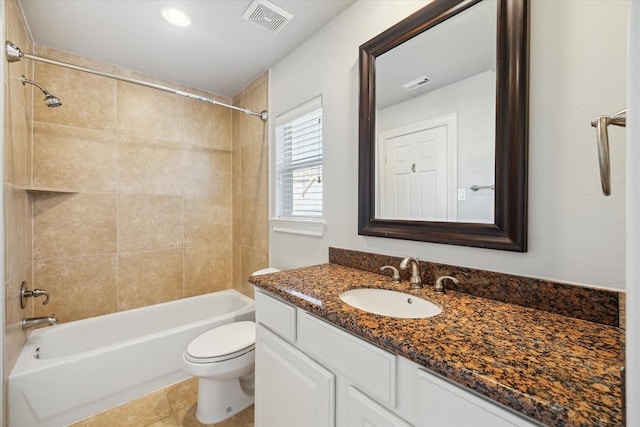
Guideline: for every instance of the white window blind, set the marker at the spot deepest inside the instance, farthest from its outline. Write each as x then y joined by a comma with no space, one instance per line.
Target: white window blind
299,188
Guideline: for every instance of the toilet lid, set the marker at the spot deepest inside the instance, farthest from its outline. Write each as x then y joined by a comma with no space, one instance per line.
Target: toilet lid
224,342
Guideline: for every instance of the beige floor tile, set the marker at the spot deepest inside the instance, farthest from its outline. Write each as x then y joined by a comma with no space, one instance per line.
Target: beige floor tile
172,406
187,418
183,395
141,412
169,421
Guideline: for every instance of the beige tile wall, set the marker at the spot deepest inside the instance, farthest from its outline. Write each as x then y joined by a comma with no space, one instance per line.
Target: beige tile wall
149,213
250,185
18,265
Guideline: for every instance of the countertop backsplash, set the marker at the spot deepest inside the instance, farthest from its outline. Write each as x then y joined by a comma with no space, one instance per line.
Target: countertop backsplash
595,305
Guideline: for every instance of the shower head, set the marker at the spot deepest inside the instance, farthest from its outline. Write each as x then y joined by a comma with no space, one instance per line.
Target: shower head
49,100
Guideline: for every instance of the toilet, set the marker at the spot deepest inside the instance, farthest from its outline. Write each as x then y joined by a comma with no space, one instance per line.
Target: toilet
223,359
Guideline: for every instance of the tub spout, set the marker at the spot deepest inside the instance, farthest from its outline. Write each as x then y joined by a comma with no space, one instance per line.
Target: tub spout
31,322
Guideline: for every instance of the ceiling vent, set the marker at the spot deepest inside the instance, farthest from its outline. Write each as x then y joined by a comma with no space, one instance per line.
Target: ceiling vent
267,15
415,84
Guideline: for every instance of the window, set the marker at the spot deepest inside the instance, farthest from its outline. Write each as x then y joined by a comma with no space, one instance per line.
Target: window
299,162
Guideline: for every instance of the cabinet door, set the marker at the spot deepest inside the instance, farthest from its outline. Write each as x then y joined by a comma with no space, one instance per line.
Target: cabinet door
292,390
363,411
443,404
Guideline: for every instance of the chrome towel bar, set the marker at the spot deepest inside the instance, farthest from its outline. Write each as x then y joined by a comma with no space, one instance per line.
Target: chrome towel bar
602,138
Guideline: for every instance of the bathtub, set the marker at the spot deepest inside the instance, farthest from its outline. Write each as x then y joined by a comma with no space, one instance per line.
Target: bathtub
88,366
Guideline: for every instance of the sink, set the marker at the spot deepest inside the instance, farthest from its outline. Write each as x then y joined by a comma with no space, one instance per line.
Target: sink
390,303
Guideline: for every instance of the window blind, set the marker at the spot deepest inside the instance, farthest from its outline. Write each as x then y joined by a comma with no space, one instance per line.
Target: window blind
300,164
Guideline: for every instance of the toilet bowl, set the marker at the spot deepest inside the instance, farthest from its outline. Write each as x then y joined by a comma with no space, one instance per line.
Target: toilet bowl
223,360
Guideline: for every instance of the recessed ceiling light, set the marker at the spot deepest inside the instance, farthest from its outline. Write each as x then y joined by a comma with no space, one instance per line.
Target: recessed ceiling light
176,17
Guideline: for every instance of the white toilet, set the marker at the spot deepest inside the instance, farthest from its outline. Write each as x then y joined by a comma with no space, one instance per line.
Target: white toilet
223,360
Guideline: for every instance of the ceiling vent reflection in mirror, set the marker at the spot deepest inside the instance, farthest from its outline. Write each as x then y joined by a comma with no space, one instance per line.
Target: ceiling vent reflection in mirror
267,15
415,84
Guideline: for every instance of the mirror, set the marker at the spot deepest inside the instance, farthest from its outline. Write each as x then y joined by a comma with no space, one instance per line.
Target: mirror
443,126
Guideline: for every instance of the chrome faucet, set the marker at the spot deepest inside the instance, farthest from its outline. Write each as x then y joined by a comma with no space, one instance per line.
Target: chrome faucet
31,322
439,288
416,278
26,293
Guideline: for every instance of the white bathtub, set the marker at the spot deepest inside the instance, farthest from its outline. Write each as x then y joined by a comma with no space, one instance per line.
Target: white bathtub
88,366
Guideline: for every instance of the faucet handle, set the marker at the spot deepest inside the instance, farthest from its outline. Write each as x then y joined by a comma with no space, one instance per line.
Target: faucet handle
396,274
26,293
40,292
439,287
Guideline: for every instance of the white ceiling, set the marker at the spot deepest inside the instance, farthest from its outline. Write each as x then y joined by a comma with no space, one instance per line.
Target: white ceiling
219,52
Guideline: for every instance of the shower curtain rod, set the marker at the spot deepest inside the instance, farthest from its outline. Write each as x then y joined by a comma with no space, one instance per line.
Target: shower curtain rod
14,54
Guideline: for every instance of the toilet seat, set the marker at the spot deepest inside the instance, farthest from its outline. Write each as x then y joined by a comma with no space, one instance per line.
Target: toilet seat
222,343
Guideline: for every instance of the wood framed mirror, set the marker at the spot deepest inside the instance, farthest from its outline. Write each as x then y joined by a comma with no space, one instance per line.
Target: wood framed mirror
387,204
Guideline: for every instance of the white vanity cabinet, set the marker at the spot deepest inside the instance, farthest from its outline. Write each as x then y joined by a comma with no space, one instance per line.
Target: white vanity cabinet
444,404
362,411
311,373
292,390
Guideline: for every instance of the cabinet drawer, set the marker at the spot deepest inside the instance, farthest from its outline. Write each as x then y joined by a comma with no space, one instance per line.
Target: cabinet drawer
372,369
276,315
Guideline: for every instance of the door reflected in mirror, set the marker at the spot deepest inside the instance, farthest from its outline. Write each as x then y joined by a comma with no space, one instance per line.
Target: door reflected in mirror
435,122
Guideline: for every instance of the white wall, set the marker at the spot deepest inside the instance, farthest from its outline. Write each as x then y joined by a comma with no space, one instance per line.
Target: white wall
575,234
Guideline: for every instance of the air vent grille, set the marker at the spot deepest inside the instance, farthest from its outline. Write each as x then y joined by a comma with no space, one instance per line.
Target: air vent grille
415,84
267,15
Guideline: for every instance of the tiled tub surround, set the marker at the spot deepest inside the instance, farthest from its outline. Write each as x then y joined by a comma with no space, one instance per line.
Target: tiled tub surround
559,370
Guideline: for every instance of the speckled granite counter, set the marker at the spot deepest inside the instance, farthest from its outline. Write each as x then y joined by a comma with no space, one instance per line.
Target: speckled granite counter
559,370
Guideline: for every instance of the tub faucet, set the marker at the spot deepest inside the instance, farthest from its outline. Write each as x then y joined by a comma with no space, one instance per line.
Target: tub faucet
416,278
30,322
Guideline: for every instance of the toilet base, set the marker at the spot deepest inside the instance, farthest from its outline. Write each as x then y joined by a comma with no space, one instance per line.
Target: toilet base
219,400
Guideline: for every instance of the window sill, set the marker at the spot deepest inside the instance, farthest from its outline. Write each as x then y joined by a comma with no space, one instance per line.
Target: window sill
307,227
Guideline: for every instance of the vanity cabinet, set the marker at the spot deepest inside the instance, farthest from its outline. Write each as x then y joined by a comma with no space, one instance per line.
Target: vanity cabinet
292,389
442,403
362,411
311,373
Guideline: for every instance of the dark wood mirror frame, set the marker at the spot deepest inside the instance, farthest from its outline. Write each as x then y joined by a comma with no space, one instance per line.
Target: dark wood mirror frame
509,230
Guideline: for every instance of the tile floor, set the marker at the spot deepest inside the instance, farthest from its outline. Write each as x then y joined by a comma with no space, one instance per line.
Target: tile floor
172,406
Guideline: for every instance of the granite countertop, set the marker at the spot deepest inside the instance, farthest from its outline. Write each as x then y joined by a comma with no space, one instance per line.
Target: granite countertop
558,370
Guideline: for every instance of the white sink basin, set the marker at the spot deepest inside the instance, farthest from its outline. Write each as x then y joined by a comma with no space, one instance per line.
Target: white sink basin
390,303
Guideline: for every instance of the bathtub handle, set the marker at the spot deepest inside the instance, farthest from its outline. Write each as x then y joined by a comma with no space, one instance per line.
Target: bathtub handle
25,293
